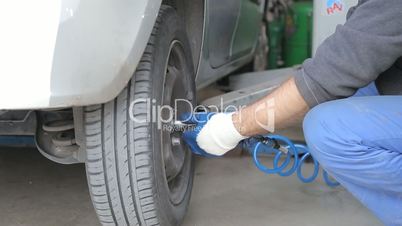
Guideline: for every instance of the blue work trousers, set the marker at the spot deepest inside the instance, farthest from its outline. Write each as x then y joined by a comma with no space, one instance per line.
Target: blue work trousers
358,141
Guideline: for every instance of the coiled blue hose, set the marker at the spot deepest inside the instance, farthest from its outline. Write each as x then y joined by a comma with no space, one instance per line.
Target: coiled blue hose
300,153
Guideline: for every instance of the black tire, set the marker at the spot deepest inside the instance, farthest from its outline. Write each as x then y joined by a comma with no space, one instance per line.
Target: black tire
136,174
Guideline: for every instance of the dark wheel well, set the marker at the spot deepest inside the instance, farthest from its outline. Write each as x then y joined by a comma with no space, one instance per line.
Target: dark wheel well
192,13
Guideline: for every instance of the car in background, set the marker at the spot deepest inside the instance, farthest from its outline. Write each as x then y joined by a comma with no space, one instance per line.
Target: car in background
73,71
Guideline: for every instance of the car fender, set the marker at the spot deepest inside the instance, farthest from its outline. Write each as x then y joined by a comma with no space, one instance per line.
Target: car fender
64,53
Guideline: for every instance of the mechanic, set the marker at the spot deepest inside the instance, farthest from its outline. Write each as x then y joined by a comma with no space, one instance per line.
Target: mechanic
354,133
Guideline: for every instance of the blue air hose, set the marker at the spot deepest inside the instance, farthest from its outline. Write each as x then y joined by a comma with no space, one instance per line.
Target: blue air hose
270,144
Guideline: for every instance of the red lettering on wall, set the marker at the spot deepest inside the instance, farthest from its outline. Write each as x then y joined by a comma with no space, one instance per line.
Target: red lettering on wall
330,10
338,7
334,8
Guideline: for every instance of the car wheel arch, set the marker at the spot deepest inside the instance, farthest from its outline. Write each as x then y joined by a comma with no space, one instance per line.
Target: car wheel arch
193,15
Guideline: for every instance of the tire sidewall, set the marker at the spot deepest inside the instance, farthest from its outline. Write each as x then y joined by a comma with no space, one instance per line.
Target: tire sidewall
170,29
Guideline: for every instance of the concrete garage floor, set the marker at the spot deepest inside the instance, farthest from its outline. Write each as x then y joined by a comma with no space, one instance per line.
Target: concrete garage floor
227,192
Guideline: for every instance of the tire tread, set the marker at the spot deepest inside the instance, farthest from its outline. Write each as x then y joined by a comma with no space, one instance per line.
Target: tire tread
119,162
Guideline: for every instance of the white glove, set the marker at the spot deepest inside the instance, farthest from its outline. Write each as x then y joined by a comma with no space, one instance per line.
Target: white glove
219,135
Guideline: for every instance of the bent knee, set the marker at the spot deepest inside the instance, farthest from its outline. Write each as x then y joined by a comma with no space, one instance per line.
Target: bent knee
318,121
326,133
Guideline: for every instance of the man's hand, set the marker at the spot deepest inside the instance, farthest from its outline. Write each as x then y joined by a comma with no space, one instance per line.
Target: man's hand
214,134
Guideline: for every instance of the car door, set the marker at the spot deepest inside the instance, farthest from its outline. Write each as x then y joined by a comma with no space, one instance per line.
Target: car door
232,29
247,29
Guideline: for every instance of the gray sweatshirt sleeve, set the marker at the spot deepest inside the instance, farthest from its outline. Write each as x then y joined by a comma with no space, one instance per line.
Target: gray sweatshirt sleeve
366,45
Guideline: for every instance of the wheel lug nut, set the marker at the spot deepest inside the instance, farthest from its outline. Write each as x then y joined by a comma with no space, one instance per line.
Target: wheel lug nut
176,141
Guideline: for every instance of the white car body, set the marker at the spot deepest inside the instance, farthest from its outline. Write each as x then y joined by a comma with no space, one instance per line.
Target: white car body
63,53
